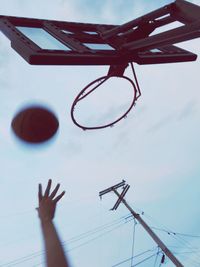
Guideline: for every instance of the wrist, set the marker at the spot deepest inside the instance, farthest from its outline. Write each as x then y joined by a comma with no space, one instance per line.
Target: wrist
45,221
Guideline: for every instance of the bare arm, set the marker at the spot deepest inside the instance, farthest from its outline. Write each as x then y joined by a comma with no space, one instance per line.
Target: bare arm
55,255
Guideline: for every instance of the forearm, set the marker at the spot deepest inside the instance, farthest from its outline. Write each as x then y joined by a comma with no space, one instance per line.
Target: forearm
55,255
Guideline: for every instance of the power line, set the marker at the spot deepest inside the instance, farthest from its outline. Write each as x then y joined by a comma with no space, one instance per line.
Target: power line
158,252
87,242
140,220
177,236
175,233
148,258
133,242
136,256
114,224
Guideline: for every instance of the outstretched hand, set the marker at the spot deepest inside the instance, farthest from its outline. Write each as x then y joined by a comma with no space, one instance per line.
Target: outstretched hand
48,201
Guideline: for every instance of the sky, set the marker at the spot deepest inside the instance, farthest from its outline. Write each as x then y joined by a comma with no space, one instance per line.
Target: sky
155,149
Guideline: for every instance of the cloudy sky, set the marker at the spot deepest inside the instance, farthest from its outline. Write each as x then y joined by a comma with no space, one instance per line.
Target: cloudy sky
155,149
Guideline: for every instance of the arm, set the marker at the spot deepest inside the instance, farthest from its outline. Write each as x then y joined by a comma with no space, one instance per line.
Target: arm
47,205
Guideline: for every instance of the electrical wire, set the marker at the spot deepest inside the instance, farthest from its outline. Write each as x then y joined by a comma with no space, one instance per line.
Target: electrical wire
133,241
185,244
148,258
158,252
182,241
97,237
87,242
178,237
136,256
113,225
175,233
109,227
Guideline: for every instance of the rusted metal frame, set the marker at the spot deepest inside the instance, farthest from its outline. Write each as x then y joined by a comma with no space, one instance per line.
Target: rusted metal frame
164,21
116,41
47,57
167,54
79,30
76,37
168,49
119,40
144,59
133,33
35,55
180,34
117,70
157,23
64,25
14,34
134,23
81,27
181,11
66,39
185,12
68,58
23,22
19,42
86,38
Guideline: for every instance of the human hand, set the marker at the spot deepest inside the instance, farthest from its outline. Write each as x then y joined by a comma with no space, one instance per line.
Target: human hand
47,202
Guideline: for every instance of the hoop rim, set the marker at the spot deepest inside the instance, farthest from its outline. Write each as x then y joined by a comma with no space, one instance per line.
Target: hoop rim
79,97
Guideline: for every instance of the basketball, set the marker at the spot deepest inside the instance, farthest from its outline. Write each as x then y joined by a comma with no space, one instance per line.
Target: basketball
35,124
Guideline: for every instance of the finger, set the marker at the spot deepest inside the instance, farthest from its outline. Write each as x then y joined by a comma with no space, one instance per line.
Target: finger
54,191
40,192
59,197
46,194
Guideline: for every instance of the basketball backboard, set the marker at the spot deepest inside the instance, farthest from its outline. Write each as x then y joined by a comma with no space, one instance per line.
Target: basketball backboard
149,39
50,42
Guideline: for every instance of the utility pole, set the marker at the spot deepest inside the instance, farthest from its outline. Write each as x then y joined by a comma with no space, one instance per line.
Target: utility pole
162,246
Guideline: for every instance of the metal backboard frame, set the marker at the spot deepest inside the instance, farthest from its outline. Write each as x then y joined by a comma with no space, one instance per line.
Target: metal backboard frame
134,41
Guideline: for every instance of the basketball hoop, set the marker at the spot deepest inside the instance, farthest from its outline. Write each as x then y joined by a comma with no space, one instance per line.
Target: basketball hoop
94,85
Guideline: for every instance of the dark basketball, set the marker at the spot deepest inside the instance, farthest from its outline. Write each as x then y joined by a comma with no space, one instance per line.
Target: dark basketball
35,124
